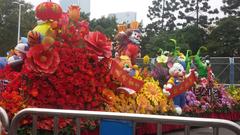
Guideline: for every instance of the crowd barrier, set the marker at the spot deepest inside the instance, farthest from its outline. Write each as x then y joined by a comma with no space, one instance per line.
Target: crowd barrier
188,122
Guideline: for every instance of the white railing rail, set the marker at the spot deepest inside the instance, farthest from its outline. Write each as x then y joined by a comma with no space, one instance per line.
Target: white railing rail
159,119
4,123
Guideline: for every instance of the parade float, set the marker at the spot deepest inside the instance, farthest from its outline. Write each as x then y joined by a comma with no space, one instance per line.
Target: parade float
62,65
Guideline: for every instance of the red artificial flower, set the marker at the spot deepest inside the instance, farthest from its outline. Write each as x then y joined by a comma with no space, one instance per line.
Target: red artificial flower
99,44
42,59
74,12
84,28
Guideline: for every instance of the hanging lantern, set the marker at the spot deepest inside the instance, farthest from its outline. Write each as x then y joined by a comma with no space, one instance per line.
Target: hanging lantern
48,11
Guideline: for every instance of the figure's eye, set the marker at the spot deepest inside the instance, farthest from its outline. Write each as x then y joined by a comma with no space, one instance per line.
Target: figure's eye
179,70
126,66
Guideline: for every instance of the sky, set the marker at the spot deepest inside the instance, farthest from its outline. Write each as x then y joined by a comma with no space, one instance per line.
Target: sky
100,8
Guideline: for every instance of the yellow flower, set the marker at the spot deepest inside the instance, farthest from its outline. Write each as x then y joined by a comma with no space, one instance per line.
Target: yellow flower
143,103
153,92
162,59
146,59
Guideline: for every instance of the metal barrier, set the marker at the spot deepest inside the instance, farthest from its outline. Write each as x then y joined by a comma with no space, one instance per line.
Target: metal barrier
4,120
160,119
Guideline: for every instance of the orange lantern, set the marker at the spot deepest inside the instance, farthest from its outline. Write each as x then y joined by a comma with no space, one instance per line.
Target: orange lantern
48,11
74,12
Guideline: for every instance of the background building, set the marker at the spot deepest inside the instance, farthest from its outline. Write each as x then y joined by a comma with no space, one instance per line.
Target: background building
83,4
126,17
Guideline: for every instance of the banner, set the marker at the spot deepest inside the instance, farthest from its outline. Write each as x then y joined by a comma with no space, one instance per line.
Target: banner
184,86
122,76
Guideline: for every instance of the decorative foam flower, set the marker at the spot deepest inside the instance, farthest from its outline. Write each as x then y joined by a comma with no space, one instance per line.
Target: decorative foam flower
74,12
13,102
204,82
162,59
153,92
84,28
42,59
146,59
143,103
99,44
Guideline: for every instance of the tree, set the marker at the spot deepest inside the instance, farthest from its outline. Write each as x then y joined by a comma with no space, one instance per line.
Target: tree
224,39
196,12
162,14
9,23
172,14
85,16
231,7
106,25
193,37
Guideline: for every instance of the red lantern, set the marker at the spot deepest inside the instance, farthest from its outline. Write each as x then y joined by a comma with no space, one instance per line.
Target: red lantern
48,11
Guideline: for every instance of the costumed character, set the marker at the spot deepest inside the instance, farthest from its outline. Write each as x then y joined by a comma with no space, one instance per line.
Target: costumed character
126,64
17,56
177,74
129,41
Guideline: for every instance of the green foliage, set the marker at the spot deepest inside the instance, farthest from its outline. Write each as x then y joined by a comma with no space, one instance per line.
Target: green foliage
231,7
191,37
224,39
85,16
168,15
106,25
162,14
9,23
196,12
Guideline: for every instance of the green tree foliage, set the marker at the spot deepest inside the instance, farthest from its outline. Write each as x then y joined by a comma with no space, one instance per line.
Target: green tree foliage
9,23
224,39
193,37
231,7
190,37
168,14
106,25
162,14
196,12
85,16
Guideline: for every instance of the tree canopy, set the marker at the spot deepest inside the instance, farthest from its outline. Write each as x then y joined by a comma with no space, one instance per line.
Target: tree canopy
169,15
9,23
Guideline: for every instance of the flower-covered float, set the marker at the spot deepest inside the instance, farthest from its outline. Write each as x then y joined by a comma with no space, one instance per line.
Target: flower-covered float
63,65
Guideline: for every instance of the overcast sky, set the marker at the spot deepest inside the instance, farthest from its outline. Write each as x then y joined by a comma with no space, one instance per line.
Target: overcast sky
104,7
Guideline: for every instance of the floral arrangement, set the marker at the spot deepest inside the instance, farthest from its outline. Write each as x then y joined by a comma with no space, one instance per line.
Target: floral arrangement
69,67
61,71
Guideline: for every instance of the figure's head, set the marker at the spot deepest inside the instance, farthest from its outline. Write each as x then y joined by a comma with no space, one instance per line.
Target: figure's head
176,69
125,61
135,36
21,49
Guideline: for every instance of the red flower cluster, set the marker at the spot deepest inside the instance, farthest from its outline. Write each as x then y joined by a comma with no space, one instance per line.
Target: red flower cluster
42,59
63,75
13,102
99,44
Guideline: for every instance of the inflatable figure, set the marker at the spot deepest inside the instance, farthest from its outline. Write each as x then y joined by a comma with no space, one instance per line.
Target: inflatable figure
177,73
128,42
17,56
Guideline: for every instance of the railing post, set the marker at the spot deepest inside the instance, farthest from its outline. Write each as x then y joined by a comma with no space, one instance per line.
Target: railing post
215,130
159,129
34,125
231,74
187,130
134,128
